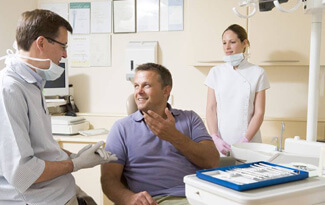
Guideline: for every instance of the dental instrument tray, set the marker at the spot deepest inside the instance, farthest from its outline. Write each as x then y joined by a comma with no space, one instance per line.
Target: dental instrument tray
251,175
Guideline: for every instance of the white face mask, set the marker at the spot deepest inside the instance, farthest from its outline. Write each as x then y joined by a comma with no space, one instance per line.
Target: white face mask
234,60
50,74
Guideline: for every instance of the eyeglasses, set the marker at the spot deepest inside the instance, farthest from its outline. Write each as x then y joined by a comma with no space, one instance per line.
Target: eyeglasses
64,45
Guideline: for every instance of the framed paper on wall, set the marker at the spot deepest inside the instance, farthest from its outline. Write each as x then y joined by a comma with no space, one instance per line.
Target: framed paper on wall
124,16
171,15
147,15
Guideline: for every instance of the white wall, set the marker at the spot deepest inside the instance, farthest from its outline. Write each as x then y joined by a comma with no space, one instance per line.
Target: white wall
288,96
104,90
9,13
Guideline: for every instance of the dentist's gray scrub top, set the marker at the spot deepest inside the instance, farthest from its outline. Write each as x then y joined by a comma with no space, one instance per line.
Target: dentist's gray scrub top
26,141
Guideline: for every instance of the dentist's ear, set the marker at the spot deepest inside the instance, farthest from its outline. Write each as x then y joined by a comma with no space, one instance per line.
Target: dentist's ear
246,43
40,43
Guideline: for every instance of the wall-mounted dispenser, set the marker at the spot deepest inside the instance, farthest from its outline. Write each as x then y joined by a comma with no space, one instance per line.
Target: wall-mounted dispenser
140,52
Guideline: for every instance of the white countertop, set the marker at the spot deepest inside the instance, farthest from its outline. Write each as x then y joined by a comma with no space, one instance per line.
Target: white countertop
80,138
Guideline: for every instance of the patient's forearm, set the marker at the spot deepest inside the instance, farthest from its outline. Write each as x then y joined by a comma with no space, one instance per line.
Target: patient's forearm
203,154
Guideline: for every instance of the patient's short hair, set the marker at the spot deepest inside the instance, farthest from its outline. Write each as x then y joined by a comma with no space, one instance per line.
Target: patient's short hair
165,77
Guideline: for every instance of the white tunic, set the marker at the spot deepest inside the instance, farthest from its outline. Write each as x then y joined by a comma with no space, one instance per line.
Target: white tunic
235,93
26,142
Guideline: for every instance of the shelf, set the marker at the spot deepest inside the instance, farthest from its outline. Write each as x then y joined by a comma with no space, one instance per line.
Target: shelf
204,65
80,138
210,65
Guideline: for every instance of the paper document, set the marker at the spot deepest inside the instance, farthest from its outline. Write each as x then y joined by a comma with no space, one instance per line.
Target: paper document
79,17
148,15
79,51
124,16
100,50
101,16
171,15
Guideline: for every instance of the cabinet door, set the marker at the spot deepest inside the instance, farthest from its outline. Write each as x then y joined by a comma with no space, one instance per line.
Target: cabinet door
321,131
206,22
279,38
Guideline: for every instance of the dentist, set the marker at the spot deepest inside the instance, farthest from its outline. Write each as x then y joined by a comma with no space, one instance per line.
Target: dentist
236,94
33,168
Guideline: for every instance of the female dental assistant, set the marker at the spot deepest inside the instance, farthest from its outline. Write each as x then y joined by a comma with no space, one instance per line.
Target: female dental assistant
236,94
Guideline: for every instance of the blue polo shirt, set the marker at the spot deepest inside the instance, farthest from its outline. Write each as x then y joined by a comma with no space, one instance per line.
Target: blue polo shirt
152,164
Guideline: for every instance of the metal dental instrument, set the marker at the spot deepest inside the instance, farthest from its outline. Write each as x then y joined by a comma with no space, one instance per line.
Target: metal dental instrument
281,136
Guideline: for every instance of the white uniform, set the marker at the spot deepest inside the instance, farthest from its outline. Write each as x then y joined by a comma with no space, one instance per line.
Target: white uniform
235,93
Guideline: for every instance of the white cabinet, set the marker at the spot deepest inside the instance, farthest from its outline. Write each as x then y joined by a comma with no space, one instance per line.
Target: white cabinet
206,21
320,131
307,191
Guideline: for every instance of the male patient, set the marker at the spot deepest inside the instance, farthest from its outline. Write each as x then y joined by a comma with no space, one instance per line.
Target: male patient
156,146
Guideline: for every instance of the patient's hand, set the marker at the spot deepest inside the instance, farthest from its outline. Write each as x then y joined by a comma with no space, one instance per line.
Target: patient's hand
141,198
164,128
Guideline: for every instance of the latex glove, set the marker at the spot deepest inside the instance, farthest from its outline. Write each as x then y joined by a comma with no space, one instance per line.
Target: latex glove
89,158
221,145
106,155
243,140
73,155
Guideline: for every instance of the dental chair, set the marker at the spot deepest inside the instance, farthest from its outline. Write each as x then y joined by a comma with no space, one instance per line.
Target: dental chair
131,106
227,161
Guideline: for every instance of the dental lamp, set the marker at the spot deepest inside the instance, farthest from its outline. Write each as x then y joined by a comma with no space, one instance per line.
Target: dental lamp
247,3
264,5
267,5
315,8
278,6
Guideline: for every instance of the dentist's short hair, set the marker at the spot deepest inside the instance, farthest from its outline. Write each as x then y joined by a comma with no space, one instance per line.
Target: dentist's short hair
165,76
38,22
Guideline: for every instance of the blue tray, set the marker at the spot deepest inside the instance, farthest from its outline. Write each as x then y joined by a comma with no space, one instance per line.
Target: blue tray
298,176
